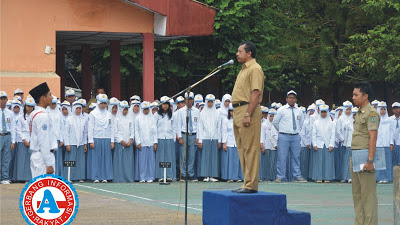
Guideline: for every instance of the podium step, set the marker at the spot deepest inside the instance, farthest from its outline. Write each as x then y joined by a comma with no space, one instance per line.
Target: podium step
228,208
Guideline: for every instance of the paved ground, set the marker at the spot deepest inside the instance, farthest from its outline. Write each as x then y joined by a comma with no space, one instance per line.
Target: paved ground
139,203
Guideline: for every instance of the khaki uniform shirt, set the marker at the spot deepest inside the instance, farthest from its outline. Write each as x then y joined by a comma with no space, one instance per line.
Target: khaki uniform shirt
250,78
366,119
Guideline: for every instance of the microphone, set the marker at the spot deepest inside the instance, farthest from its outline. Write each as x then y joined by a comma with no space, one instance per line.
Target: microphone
230,62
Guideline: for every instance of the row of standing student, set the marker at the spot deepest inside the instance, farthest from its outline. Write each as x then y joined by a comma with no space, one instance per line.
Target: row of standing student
101,142
324,156
325,143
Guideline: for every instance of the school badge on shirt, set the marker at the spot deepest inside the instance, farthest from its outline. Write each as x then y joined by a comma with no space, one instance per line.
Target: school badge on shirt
44,127
49,199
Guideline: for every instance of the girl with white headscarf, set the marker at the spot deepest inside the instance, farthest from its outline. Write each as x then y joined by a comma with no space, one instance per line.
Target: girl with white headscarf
101,140
123,158
146,143
208,162
234,171
60,151
75,141
22,169
113,108
323,139
223,113
383,141
263,156
305,134
134,112
16,109
338,145
313,118
271,145
345,134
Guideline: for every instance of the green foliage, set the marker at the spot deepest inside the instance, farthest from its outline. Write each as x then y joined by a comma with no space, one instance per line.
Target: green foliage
317,43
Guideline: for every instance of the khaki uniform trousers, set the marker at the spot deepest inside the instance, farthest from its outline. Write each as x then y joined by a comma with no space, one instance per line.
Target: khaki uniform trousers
364,197
248,144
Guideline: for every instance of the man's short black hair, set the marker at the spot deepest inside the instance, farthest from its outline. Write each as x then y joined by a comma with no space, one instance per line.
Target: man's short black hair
365,88
250,46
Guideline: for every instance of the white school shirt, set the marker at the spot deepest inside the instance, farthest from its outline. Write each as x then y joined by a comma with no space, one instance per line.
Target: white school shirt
57,122
317,135
283,120
228,135
100,125
165,126
306,131
145,130
71,130
124,129
22,129
10,123
209,126
181,121
384,135
395,132
345,129
41,138
269,135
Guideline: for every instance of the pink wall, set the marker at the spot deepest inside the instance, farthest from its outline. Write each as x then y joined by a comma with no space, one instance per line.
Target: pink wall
28,26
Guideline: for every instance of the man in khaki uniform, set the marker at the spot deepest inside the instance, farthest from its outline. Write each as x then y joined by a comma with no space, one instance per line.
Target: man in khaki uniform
246,98
366,125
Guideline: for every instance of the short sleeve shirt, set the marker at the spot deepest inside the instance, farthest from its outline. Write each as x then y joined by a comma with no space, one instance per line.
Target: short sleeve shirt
250,78
367,119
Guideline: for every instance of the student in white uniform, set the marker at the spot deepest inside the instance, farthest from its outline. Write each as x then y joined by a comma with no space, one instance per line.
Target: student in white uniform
7,138
263,156
180,102
345,133
288,121
323,139
395,140
42,159
101,141
22,169
209,164
166,135
134,112
16,109
75,141
271,145
191,134
306,139
123,157
229,146
383,141
146,143
316,115
197,100
223,113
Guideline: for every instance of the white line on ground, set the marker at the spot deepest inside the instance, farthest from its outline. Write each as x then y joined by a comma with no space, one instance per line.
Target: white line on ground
135,196
331,205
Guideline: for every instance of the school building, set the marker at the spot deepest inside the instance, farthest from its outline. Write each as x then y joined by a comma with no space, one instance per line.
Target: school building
36,34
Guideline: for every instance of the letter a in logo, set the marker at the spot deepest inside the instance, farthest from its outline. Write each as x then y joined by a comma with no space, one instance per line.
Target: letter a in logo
48,202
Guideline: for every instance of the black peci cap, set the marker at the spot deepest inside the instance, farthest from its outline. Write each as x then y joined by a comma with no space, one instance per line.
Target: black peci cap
39,91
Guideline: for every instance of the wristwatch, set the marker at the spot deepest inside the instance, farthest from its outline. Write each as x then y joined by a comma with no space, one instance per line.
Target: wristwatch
370,160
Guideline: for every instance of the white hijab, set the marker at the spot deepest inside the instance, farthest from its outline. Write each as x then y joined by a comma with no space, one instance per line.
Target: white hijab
78,123
209,116
224,110
325,126
101,116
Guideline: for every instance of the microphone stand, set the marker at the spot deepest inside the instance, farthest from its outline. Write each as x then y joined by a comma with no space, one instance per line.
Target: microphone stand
187,90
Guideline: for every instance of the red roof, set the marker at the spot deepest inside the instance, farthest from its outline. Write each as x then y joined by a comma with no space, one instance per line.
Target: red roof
184,17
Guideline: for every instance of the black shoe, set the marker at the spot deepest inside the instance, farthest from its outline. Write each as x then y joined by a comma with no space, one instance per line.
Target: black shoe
236,190
246,191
